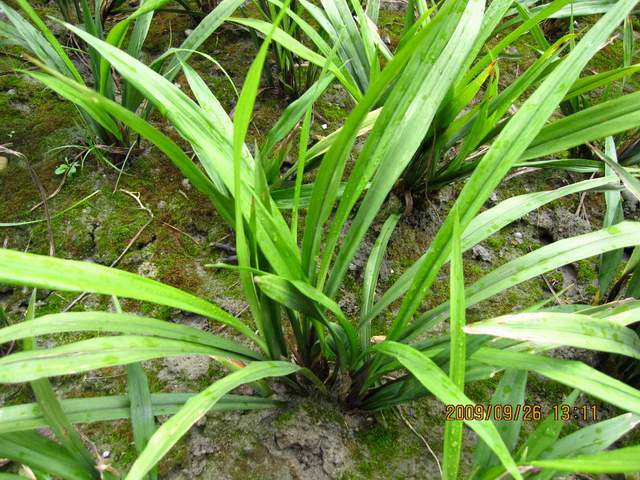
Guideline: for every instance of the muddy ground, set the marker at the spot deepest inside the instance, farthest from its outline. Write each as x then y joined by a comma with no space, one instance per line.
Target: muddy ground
178,233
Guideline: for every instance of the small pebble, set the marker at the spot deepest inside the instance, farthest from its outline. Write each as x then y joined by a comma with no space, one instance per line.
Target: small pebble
185,184
482,253
188,32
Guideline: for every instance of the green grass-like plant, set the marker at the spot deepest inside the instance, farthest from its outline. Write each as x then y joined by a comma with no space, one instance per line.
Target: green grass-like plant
43,48
291,277
474,111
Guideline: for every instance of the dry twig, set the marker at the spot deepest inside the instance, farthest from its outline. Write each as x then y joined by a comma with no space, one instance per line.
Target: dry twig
43,193
136,197
421,437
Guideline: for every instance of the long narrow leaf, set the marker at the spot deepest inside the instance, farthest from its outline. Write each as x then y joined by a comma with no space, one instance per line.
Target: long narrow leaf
623,460
91,354
569,372
40,453
568,329
196,407
120,323
28,416
434,379
17,268
141,406
458,354
51,409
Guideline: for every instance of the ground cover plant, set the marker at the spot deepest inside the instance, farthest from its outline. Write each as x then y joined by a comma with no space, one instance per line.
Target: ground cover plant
294,247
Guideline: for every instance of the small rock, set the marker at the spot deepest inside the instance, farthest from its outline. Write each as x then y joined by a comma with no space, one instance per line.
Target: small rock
482,253
244,390
394,5
560,223
148,269
349,303
186,184
22,107
518,237
190,367
188,32
446,194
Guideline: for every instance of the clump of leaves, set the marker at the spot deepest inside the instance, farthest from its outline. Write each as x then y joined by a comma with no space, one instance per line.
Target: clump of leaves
476,107
42,47
292,286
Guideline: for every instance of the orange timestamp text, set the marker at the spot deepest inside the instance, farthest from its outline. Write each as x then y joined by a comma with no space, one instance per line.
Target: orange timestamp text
525,412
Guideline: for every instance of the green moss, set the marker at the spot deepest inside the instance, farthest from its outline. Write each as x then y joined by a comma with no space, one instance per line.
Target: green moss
332,112
179,456
391,24
497,241
33,112
115,437
552,392
154,311
586,272
473,270
382,443
284,416
379,439
481,391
